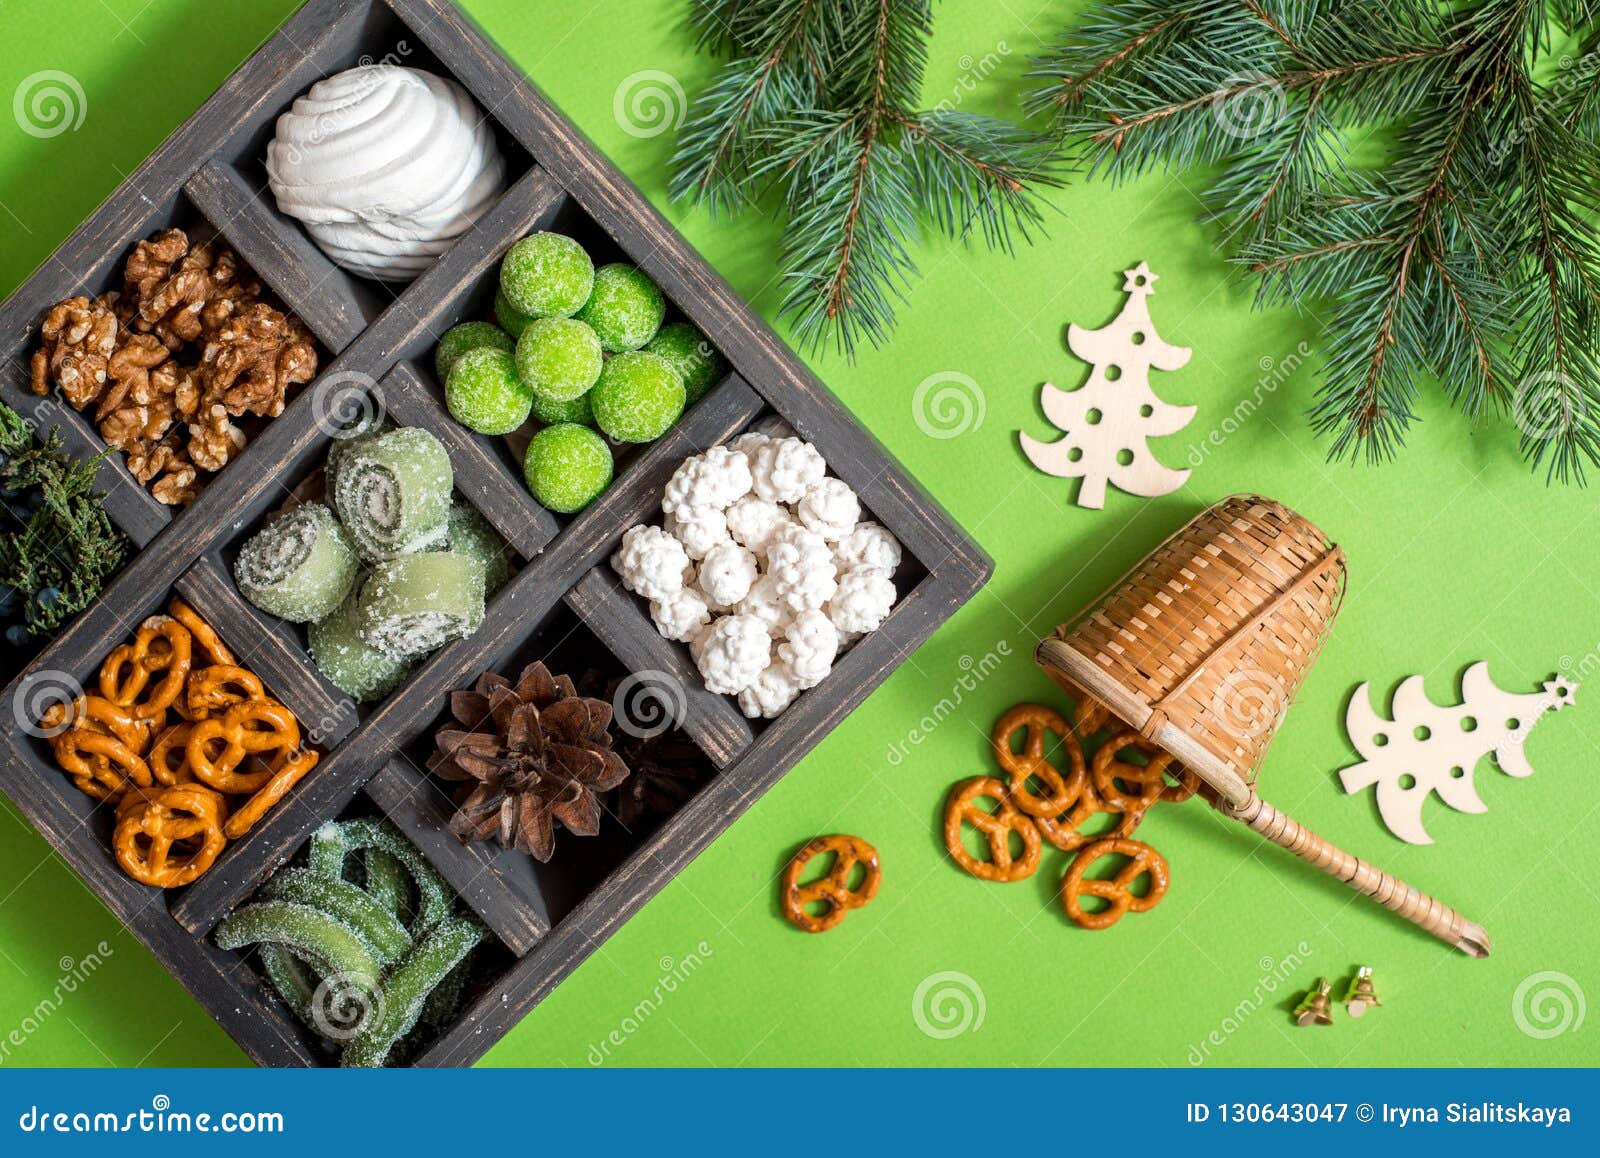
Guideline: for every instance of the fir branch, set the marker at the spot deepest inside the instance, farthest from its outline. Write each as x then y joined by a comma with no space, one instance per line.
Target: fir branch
1467,253
820,105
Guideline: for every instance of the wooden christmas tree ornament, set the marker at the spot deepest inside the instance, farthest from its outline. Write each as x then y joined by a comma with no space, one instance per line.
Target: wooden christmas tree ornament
1427,748
1108,421
1202,646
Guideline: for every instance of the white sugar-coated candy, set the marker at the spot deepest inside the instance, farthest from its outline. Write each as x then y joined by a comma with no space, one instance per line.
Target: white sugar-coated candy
766,604
801,565
830,508
712,480
682,617
749,442
864,598
651,563
869,545
733,652
772,692
727,573
753,521
785,468
808,649
699,531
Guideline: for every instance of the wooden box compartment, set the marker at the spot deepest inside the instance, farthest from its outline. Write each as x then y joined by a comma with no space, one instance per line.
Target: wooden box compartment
377,342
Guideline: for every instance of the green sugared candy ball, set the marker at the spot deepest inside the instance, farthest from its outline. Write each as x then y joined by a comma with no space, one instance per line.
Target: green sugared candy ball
638,398
512,320
550,412
695,359
547,275
567,467
466,337
625,308
558,358
485,394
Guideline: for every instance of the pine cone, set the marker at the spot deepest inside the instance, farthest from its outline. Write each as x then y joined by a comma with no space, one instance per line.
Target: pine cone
528,754
665,770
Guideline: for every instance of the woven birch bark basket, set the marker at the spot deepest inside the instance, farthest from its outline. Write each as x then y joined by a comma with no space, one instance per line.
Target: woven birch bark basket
1202,646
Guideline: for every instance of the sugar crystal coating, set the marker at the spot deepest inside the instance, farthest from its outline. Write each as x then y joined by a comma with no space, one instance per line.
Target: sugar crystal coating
567,467
412,604
393,492
550,412
625,307
469,336
485,393
559,358
692,355
547,275
469,533
638,397
347,662
298,567
512,320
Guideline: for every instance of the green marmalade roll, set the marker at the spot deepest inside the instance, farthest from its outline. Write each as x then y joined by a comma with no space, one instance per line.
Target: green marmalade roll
392,493
298,567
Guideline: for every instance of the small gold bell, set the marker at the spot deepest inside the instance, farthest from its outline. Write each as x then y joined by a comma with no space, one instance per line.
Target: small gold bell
1361,994
1316,1007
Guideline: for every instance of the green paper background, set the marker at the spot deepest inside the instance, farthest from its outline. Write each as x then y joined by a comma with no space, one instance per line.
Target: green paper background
1457,553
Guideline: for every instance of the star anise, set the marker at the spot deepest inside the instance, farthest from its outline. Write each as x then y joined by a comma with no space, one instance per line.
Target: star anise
528,754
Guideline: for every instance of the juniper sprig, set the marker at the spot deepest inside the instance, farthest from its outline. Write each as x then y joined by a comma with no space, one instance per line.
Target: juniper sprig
62,541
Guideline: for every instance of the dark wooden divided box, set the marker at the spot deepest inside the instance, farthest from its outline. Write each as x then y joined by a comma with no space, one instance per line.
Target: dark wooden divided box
563,603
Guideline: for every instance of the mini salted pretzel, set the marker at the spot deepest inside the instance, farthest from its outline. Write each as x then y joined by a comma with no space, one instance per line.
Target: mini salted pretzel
996,827
1128,787
1060,791
96,714
169,836
216,688
206,643
1116,891
1065,831
833,889
217,747
100,764
169,756
275,789
160,648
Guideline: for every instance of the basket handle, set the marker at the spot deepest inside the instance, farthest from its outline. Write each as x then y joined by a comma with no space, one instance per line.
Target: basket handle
1390,892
